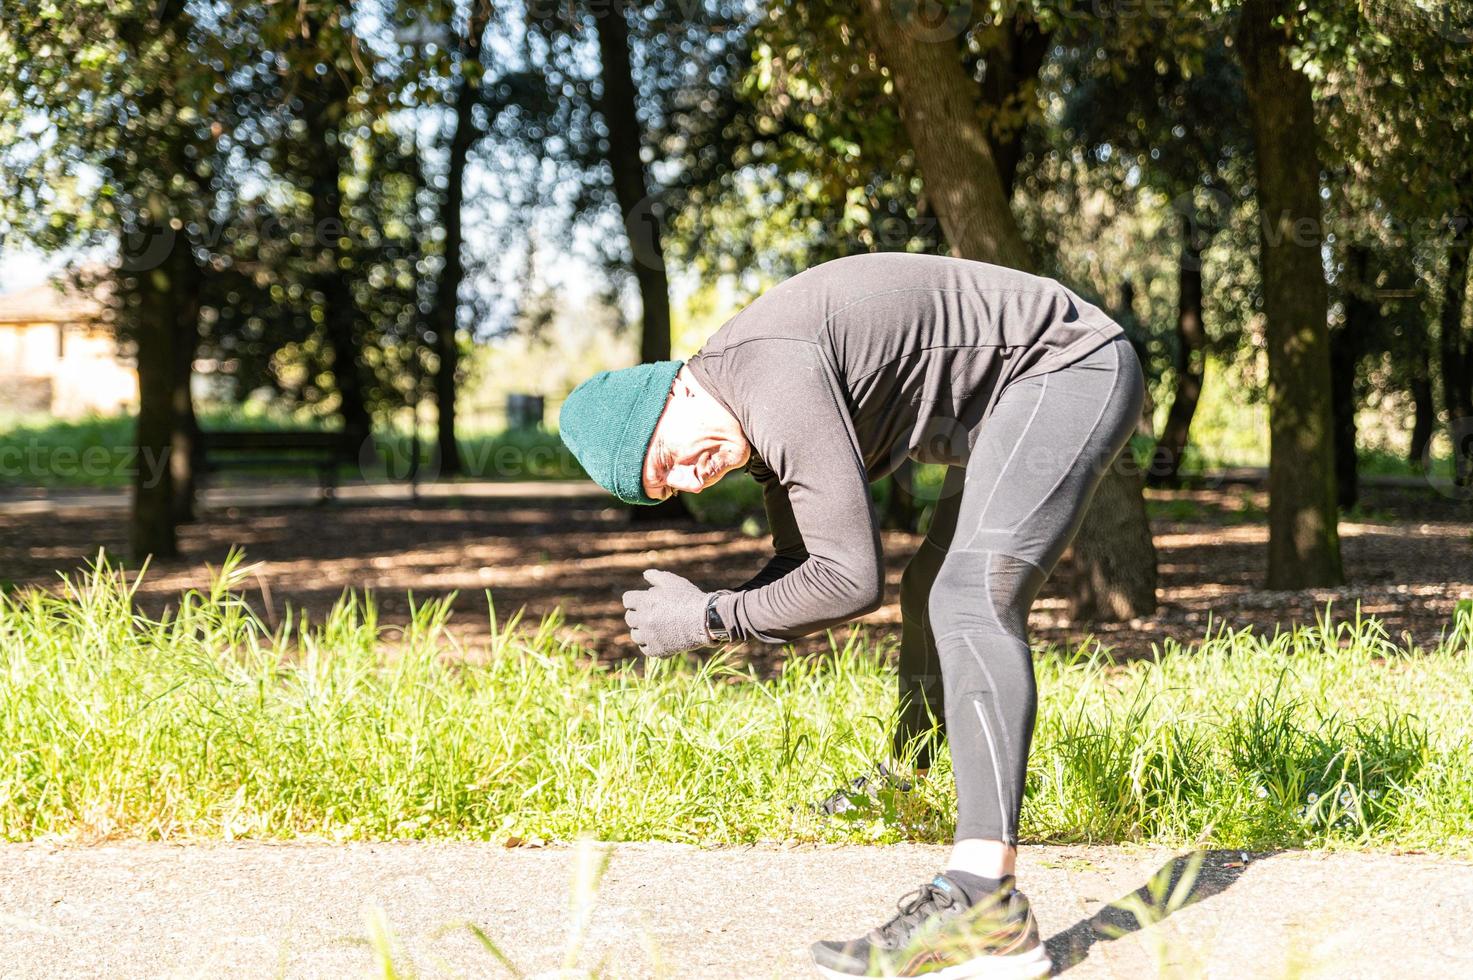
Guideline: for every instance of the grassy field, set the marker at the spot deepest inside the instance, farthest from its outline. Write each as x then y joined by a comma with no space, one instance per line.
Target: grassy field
207,726
98,451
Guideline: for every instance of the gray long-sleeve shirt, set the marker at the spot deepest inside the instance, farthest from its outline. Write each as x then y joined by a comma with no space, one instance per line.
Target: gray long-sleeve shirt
838,374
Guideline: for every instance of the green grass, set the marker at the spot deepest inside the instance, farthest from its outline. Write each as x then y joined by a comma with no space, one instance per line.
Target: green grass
97,451
93,451
513,454
518,454
206,725
1379,462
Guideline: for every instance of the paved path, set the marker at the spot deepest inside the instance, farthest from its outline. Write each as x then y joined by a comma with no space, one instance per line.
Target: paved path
303,910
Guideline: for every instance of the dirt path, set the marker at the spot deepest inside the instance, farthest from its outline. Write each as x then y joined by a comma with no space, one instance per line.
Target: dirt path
541,547
304,910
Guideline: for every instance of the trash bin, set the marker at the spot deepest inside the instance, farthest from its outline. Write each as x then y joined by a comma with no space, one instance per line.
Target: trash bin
524,411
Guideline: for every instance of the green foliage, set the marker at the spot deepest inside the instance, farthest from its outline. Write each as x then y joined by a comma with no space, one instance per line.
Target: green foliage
207,725
820,167
775,142
254,137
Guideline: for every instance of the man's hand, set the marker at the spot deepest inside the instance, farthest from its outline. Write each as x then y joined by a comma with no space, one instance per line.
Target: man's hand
668,618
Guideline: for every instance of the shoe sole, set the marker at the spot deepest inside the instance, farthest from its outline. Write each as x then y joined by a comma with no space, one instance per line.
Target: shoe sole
1023,966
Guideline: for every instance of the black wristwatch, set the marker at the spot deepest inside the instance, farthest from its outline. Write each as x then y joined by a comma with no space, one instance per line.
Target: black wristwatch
716,630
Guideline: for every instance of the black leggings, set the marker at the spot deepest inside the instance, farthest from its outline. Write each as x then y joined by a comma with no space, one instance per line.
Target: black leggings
1001,524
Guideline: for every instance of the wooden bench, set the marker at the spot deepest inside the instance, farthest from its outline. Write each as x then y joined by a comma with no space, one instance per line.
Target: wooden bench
233,449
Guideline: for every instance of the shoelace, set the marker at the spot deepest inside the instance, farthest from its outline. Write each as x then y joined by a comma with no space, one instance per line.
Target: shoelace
915,907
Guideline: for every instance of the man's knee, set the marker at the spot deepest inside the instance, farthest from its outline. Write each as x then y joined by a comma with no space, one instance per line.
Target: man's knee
985,592
957,601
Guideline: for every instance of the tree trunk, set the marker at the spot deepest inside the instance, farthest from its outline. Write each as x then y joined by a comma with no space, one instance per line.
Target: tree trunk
939,106
1424,419
1455,350
1136,334
1344,356
445,318
186,429
163,314
1304,542
617,105
1347,346
1190,361
1416,350
153,531
327,159
188,285
1015,54
159,303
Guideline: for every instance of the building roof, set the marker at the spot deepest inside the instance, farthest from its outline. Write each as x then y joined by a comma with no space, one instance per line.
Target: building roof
49,303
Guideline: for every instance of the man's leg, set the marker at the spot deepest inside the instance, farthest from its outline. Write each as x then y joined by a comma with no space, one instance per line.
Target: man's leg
1037,462
921,701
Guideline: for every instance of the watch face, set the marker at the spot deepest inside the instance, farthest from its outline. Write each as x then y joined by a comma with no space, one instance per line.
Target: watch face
714,625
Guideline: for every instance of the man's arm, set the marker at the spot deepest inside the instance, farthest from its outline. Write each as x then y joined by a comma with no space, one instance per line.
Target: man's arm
804,435
787,539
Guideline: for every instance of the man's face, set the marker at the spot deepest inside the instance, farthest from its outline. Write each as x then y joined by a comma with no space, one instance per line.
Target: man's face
695,444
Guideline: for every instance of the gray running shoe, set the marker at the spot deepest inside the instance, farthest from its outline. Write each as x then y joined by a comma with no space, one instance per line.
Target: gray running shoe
861,791
939,935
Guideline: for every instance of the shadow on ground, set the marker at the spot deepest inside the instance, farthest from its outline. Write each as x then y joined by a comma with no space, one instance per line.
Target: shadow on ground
1183,881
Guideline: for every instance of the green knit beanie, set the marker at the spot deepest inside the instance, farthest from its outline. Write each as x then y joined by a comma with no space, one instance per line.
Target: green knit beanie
608,420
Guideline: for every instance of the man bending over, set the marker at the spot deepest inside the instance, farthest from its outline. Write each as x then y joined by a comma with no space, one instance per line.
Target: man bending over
823,385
